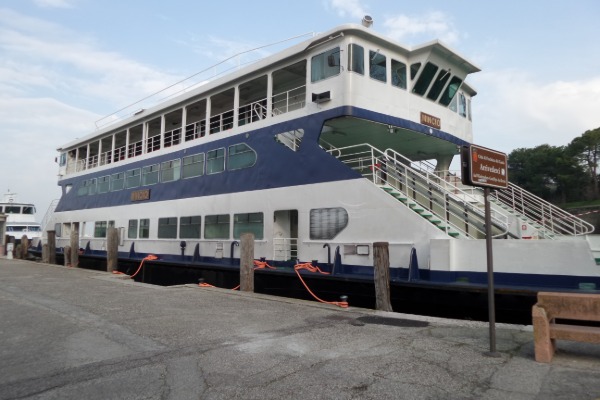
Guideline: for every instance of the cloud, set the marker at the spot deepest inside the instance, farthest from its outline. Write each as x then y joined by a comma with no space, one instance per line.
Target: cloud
416,29
348,8
54,3
516,111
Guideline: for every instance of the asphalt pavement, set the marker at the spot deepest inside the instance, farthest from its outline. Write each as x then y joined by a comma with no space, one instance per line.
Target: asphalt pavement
70,333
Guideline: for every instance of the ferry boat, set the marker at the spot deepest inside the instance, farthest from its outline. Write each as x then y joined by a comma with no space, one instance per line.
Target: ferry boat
20,218
320,150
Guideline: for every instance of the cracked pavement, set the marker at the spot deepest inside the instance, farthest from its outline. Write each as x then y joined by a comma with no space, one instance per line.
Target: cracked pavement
78,334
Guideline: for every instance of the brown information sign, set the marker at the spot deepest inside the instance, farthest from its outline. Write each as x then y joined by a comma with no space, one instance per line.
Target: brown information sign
431,121
140,195
484,167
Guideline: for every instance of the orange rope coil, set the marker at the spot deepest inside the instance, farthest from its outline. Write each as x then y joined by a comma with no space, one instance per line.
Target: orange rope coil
148,257
311,268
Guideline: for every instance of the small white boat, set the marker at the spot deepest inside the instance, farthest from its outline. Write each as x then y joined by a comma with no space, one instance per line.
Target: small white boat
20,218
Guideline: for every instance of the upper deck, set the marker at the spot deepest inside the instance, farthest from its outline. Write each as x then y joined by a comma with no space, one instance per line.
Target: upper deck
349,66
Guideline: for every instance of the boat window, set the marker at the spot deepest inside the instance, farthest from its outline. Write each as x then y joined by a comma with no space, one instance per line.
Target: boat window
450,91
117,181
356,58
150,175
469,109
221,111
240,156
462,105
425,79
377,67
215,161
253,100
193,166
132,178
100,229
438,85
325,65
13,209
132,229
248,222
169,170
29,210
196,120
398,74
103,184
326,223
58,229
189,227
144,232
414,70
454,104
63,159
216,226
167,228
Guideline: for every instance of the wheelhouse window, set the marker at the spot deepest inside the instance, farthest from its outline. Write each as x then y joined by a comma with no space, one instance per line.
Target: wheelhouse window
438,85
150,175
425,79
414,70
216,226
169,170
132,178
377,67
215,161
326,223
193,166
398,74
450,91
132,229
117,181
240,156
167,228
356,58
462,105
248,223
189,227
325,65
144,232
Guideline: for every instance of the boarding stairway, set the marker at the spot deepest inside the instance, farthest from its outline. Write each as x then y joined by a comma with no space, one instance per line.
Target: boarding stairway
459,210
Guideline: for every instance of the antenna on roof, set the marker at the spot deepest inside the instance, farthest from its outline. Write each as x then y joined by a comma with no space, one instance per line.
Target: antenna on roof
367,21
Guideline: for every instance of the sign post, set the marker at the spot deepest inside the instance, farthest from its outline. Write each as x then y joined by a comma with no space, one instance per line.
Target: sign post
486,168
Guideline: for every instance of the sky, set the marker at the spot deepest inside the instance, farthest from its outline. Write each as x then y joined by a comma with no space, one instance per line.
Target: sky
67,64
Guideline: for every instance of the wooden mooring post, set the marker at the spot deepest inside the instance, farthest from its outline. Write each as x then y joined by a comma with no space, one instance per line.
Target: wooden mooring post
51,247
247,262
75,248
381,261
112,249
24,247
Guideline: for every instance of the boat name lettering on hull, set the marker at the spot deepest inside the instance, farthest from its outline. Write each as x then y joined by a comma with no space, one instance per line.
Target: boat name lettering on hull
431,121
140,195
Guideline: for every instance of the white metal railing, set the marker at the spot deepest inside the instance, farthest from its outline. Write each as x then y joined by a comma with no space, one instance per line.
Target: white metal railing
221,122
120,153
135,149
293,99
47,216
285,249
460,211
195,130
153,143
541,213
106,158
172,137
252,112
291,139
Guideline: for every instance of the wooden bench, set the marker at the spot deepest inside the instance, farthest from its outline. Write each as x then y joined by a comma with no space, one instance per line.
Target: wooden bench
564,306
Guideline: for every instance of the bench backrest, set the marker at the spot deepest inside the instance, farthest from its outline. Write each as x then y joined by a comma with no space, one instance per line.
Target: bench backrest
579,306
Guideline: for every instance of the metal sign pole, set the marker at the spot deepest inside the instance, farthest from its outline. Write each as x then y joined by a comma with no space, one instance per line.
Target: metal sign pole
490,271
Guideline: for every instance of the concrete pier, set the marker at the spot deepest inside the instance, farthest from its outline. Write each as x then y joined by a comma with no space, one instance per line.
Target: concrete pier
71,333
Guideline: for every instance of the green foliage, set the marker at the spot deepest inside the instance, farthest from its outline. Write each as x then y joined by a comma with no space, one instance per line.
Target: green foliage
559,174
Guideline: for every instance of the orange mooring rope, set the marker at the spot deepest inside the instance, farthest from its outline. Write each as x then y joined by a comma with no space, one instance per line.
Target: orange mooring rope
312,268
148,257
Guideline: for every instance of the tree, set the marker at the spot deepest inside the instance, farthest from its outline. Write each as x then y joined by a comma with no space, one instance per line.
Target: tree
586,149
549,172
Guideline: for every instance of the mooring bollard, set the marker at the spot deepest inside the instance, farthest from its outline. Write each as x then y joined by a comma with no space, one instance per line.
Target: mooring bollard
381,261
112,249
24,247
247,262
67,256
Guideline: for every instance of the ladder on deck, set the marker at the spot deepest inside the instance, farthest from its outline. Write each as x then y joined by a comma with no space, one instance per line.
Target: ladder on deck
458,210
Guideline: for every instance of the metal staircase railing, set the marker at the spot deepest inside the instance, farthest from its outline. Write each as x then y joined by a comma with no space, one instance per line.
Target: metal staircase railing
451,209
47,217
542,214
